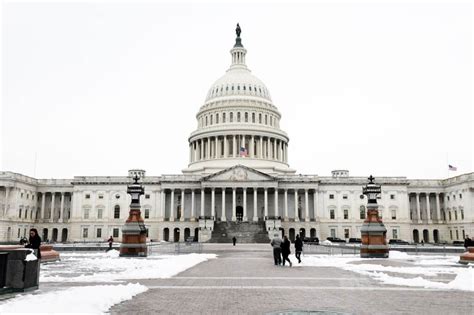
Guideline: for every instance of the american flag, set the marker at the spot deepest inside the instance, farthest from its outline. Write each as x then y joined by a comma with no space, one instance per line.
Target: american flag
243,151
452,168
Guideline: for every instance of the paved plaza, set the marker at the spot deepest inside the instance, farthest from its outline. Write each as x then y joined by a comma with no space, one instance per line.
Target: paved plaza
244,280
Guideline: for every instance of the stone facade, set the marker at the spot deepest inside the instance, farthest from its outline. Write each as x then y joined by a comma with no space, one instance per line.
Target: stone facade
238,171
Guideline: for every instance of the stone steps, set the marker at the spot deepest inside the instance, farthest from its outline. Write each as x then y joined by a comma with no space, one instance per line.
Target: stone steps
245,232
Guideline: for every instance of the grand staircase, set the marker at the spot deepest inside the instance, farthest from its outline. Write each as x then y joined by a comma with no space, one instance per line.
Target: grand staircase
244,232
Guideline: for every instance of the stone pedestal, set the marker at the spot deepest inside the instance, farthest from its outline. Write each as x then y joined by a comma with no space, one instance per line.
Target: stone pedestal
134,236
467,257
21,274
373,235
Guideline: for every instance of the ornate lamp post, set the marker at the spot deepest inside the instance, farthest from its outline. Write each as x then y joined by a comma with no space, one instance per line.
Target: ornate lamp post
373,231
134,230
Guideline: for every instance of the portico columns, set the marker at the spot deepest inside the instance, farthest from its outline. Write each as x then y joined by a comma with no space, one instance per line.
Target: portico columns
245,204
276,202
296,206
315,204
223,218
213,203
43,200
268,148
260,153
428,212
438,209
234,215
265,203
255,216
202,202
216,139
61,213
234,147
181,218
162,208
192,205
208,148
418,210
172,205
201,149
51,214
226,149
306,206
286,204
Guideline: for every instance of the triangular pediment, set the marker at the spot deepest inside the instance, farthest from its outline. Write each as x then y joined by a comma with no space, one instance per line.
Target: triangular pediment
239,173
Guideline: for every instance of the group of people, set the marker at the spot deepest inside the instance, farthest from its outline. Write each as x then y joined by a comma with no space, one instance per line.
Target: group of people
468,242
282,249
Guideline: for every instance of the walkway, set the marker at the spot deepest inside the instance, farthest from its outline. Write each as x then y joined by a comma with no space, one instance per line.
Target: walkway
247,282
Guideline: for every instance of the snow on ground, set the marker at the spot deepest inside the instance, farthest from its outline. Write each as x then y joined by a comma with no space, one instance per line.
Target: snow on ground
109,267
89,299
421,265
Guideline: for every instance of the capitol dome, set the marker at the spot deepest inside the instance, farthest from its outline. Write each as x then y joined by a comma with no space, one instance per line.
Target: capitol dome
238,124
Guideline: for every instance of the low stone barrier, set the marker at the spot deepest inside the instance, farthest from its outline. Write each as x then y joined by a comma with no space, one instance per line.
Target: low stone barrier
21,272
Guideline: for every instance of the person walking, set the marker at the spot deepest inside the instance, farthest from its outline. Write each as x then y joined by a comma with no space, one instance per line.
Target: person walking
110,241
34,242
298,248
276,244
285,250
234,240
467,242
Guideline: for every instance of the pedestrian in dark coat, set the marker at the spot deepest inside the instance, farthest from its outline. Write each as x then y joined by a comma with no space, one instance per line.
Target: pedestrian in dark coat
34,242
234,240
298,248
285,250
111,242
467,242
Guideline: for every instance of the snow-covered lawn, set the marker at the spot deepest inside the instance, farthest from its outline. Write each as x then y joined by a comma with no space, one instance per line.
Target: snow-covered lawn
402,269
98,268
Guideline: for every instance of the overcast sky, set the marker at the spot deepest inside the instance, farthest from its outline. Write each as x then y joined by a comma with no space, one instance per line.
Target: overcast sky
99,88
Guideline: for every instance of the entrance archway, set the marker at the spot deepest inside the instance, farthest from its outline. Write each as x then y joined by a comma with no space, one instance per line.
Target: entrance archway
187,233
302,233
45,235
426,236
64,236
55,235
436,236
196,234
239,212
166,234
312,232
416,236
292,234
176,235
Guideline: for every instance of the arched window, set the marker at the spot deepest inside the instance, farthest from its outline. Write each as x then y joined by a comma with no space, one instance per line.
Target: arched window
246,117
238,117
223,117
117,212
206,121
211,119
227,88
244,87
253,117
259,118
217,118
266,119
238,87
232,87
231,117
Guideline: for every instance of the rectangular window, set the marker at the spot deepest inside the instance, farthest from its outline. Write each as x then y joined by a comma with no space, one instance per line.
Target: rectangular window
346,214
346,233
19,215
394,215
85,233
21,195
344,196
19,233
88,196
117,212
392,197
460,196
462,214
451,234
395,233
333,232
457,234
463,234
362,212
147,213
331,214
455,215
99,233
115,232
99,213
147,196
449,215
86,213
101,196
331,196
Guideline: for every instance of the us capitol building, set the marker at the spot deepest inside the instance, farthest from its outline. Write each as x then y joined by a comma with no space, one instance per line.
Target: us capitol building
238,183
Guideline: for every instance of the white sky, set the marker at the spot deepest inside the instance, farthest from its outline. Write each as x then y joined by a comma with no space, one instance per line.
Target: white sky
99,88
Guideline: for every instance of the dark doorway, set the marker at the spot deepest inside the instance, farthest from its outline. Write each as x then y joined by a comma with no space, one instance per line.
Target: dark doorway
55,235
312,232
416,236
64,236
302,233
196,234
176,235
45,235
292,234
239,212
166,234
426,236
178,212
436,236
187,233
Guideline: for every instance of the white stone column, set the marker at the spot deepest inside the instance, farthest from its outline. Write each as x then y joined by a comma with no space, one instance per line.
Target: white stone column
226,149
234,215
202,202
163,204
61,213
268,148
234,147
306,206
216,155
265,203
297,218
51,215
286,205
245,204
252,147
201,149
276,202
255,210
193,215
182,206
43,200
438,209
208,149
418,209
428,210
274,149
172,205
213,203
260,145
315,204
223,218
281,152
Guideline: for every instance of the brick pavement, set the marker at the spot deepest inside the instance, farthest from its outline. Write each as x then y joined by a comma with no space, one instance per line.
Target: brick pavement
247,282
